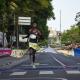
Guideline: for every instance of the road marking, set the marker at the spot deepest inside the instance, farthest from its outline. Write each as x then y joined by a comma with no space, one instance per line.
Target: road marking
18,73
4,79
37,63
62,78
46,72
59,62
73,72
62,64
33,66
37,78
44,64
40,64
26,65
78,63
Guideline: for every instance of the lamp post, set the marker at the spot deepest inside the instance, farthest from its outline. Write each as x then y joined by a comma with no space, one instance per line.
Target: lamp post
60,29
14,8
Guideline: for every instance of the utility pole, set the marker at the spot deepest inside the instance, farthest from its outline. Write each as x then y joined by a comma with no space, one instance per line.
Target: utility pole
60,29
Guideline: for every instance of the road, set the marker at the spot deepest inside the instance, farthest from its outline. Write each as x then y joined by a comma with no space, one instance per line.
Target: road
48,66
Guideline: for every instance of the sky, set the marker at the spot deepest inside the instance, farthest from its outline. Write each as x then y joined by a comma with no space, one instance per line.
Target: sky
68,9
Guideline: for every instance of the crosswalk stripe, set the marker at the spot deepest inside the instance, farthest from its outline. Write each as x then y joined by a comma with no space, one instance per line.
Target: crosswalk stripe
43,64
25,65
73,72
62,78
46,72
36,78
18,73
78,63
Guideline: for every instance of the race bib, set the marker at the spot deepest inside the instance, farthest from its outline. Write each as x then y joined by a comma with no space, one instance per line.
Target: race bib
32,36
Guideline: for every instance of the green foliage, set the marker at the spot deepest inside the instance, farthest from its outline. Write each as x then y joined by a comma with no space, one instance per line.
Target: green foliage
71,36
43,42
38,10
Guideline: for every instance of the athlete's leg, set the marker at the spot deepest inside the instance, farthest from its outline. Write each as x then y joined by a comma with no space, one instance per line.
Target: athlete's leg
30,54
34,51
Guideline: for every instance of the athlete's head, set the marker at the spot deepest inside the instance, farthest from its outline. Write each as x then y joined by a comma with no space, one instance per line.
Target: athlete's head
34,25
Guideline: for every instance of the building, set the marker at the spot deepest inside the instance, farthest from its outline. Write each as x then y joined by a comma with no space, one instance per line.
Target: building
54,36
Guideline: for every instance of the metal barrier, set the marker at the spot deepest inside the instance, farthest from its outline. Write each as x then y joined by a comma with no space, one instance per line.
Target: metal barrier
76,51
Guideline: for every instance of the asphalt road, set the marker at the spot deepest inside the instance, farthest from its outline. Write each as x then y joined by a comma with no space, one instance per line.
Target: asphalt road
48,66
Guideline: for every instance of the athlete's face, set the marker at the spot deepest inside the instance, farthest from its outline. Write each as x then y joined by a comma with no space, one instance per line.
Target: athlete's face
34,25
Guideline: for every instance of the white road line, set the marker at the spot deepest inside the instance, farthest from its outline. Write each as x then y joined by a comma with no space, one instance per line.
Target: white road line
4,79
26,65
40,64
33,66
43,64
37,64
46,72
18,73
62,64
41,78
73,72
78,63
59,62
62,78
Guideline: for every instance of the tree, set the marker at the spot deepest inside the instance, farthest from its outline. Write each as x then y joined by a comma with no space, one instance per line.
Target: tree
71,36
38,10
78,21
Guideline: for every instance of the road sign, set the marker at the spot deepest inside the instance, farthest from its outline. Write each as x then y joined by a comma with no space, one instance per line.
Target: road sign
5,51
24,23
22,39
29,18
24,20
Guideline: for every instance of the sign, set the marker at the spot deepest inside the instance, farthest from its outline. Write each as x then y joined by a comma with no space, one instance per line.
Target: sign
23,23
5,51
24,20
18,53
22,39
29,18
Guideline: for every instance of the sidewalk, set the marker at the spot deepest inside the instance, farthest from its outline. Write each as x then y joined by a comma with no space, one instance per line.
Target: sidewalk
9,62
49,49
66,52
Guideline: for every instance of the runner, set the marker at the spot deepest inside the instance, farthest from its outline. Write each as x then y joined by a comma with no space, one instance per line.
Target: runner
33,35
